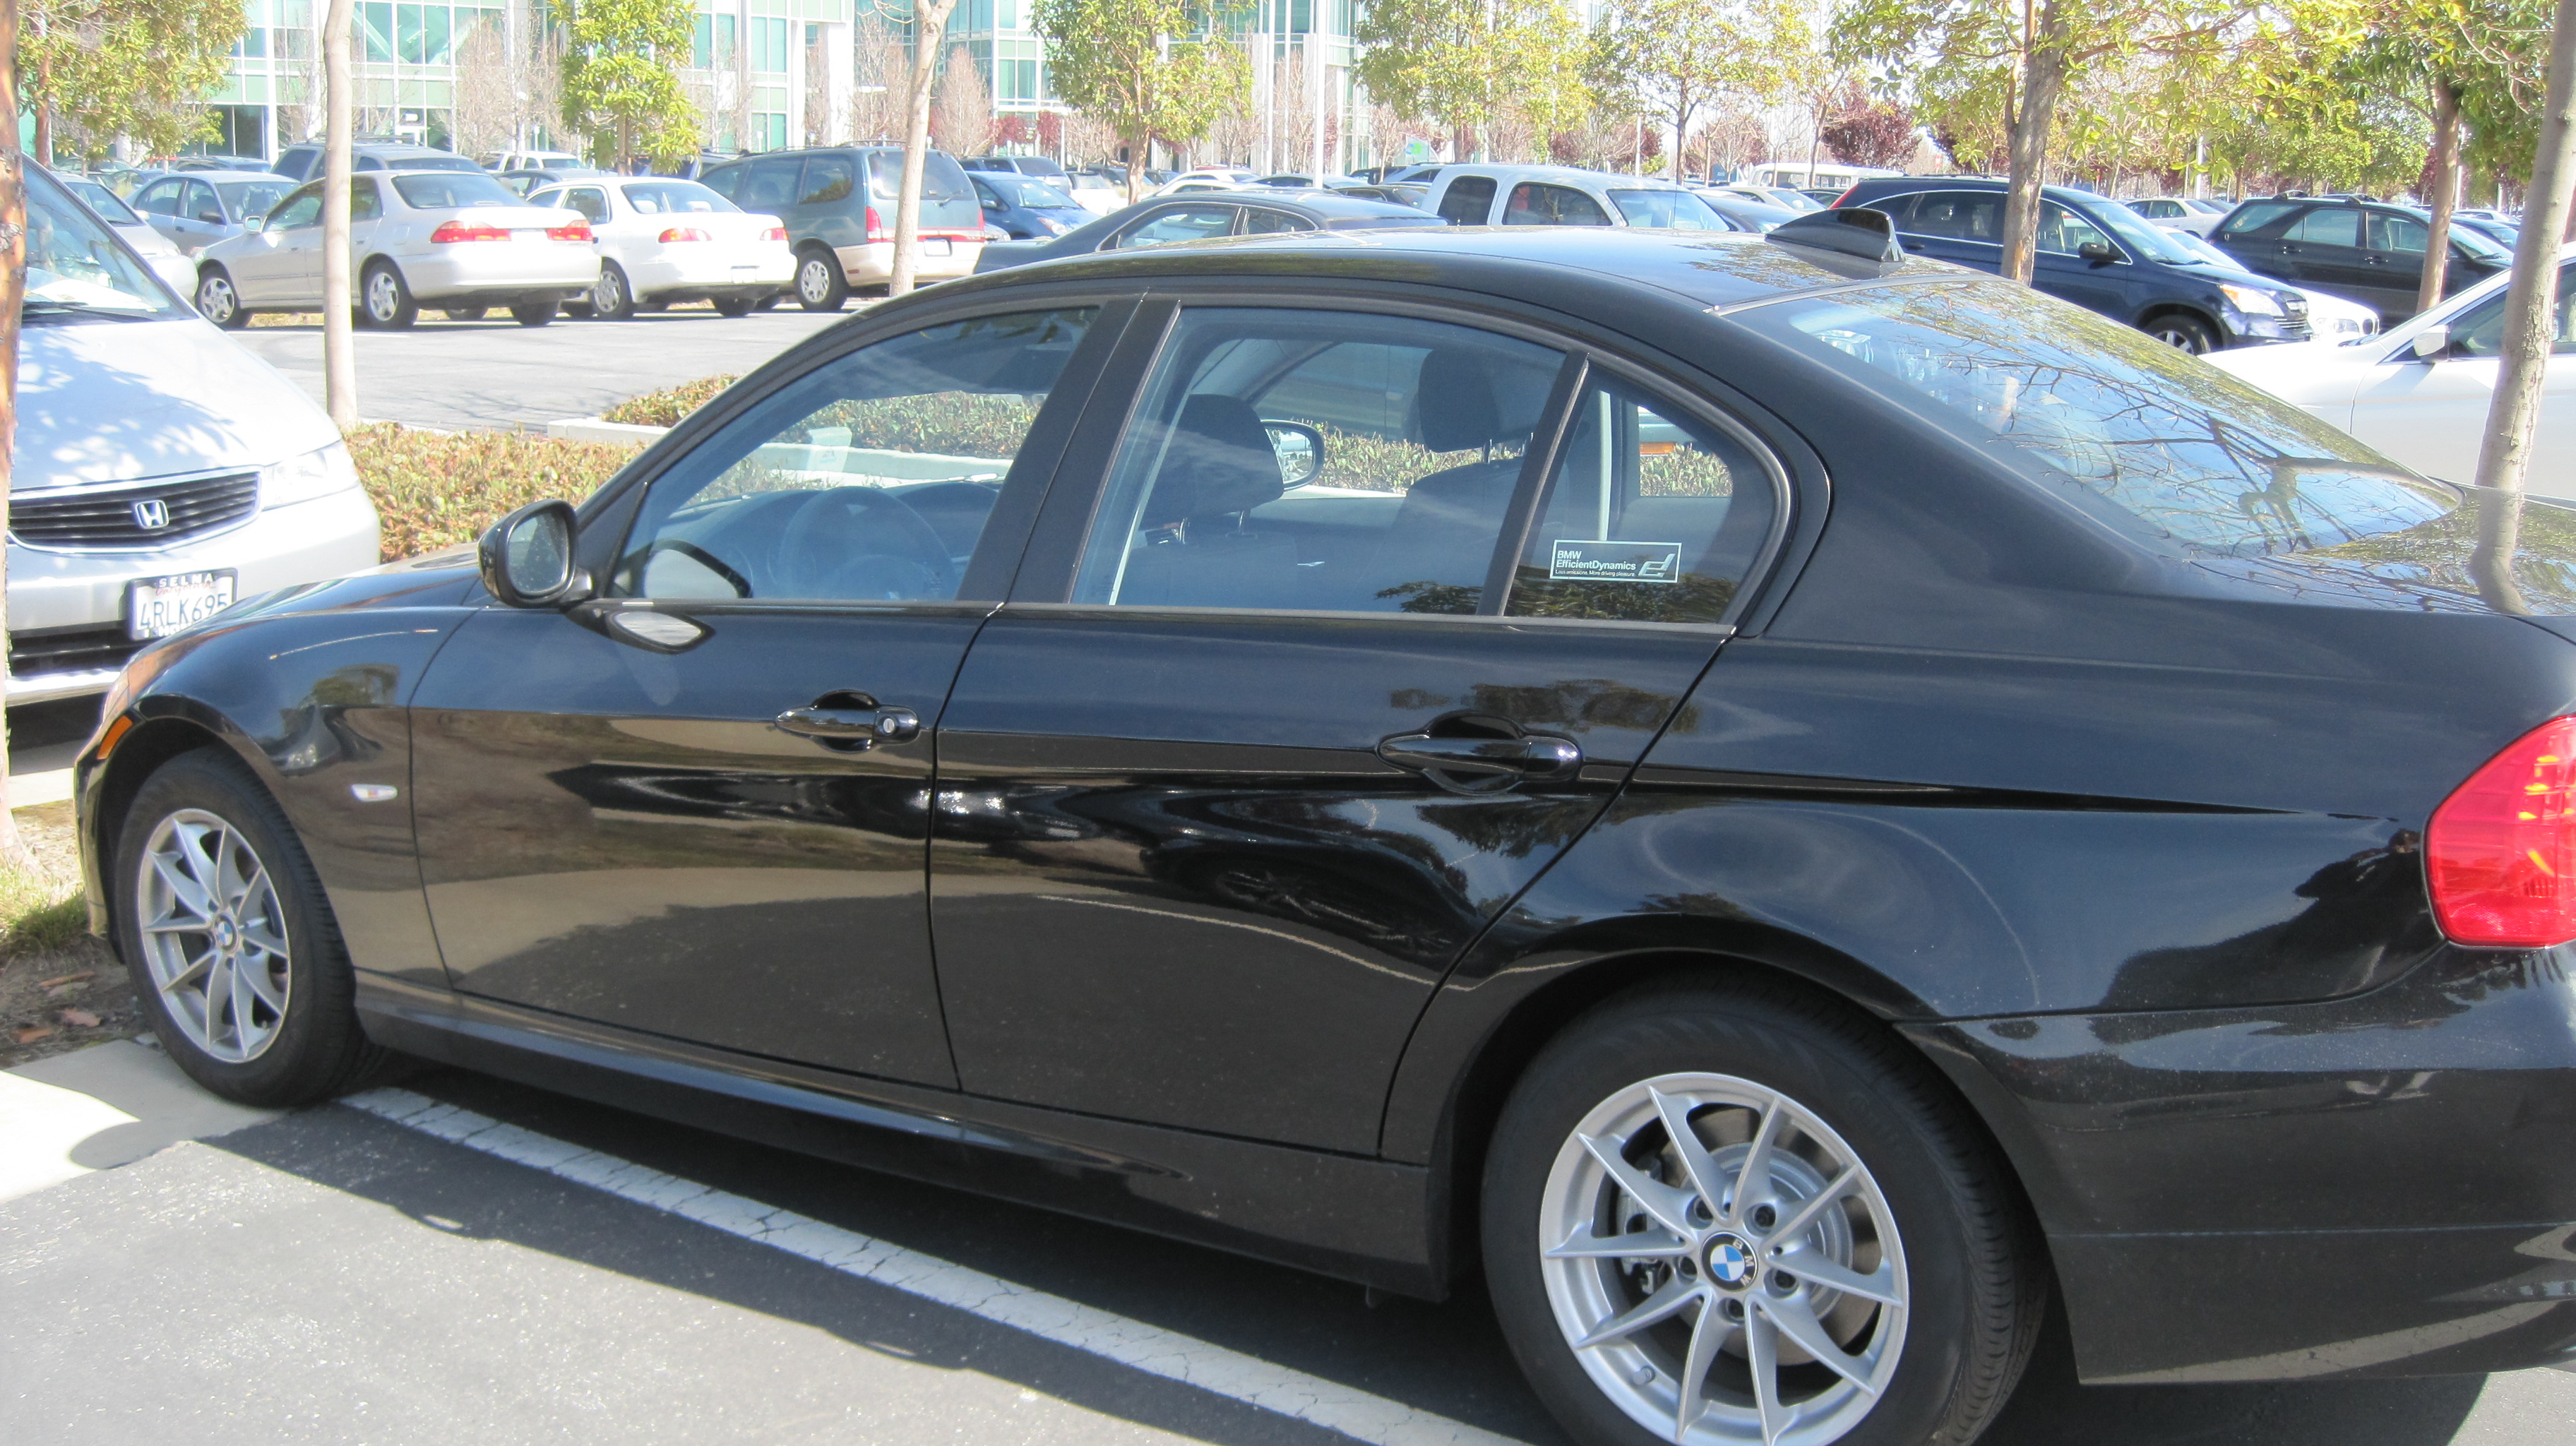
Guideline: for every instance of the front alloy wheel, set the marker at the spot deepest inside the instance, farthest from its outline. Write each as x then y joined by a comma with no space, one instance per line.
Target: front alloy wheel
1723,1264
213,935
218,302
2183,333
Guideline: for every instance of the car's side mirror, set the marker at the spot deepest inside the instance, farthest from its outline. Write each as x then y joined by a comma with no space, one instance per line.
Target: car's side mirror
1300,449
254,223
211,218
2431,343
526,558
2097,251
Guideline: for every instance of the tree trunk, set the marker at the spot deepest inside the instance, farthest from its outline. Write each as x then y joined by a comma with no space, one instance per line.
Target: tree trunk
2043,81
1137,140
931,26
2446,192
339,350
13,289
2530,325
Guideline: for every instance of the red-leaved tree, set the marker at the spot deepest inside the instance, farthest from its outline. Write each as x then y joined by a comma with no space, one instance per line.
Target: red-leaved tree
1865,131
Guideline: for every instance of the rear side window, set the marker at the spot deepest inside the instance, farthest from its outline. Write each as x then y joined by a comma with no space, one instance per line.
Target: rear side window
1181,223
1468,201
2254,216
1959,216
2151,442
1260,221
828,179
1533,204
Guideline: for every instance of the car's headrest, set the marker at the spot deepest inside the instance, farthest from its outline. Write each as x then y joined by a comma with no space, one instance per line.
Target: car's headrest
1220,461
1456,399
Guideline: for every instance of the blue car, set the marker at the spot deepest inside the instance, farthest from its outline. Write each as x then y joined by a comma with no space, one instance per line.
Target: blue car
1028,208
2094,252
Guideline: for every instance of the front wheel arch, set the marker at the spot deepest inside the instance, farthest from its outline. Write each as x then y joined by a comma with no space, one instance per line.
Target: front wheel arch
2190,317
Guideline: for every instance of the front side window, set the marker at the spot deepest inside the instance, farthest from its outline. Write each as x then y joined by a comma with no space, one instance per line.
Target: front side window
2064,232
304,208
2398,233
201,204
1671,210
1327,460
1181,223
1469,201
1533,204
771,185
2479,331
867,479
2326,226
2147,440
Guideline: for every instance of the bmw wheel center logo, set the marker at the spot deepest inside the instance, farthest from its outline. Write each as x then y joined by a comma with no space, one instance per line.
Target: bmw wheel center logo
1730,1263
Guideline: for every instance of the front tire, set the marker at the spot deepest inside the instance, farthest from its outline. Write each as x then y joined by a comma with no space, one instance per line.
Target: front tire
534,313
821,285
217,302
385,299
231,944
1735,1214
2183,333
609,298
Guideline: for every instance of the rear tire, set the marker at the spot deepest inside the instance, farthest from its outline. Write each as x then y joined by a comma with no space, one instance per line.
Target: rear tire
1921,1273
609,298
259,1005
2183,333
821,285
217,302
385,298
534,313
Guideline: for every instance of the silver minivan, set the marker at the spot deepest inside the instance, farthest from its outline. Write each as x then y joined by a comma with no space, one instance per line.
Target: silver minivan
1480,195
161,470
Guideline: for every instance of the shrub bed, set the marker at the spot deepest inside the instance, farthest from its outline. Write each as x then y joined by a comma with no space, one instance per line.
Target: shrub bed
437,489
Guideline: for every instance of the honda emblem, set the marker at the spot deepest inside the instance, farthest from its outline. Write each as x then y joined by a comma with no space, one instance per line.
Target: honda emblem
151,514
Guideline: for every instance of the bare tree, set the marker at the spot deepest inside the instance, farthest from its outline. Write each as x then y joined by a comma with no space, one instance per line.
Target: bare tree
878,72
961,114
486,107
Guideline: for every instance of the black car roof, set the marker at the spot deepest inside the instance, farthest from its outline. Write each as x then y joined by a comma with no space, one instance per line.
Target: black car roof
1871,187
1704,268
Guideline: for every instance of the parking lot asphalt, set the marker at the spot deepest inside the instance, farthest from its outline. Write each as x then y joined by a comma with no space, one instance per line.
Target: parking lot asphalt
462,1259
456,376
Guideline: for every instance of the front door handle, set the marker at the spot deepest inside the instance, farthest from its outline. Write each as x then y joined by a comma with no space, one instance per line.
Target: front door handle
1476,755
851,722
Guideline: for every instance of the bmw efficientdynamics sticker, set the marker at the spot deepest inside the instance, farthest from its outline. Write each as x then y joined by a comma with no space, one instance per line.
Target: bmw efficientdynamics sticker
1580,560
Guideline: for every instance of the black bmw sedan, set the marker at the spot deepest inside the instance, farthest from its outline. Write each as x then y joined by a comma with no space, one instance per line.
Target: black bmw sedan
1208,216
1772,800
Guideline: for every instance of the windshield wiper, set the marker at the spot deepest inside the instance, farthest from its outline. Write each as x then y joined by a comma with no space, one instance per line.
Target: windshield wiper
48,306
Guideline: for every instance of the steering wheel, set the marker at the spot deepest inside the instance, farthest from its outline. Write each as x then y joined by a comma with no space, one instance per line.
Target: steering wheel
862,544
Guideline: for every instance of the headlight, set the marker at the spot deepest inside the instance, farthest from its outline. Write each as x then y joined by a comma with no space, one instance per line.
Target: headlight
1053,227
2253,302
301,479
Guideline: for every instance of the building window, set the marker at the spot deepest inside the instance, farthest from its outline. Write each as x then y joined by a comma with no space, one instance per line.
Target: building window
769,46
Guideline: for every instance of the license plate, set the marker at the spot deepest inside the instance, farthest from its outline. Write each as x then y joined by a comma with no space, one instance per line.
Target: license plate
156,607
532,233
934,245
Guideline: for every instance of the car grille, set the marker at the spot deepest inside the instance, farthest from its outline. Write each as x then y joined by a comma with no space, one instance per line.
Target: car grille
77,651
116,517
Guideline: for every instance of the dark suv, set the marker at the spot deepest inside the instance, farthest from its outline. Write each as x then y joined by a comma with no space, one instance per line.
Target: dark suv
2371,251
839,205
2094,252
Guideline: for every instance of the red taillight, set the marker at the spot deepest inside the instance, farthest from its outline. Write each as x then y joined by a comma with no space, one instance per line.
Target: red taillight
577,231
459,231
876,227
683,233
775,233
2500,854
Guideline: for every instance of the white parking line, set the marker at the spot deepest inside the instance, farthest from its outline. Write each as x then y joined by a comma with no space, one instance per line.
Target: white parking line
1134,1344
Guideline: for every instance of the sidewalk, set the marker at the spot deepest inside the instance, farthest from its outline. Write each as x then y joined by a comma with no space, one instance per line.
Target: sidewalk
97,1108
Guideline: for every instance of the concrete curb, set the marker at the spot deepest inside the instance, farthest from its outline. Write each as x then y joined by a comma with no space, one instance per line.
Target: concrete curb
592,429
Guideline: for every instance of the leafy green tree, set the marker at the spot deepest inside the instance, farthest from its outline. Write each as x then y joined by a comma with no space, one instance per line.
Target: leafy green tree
1466,63
1672,58
621,80
2027,52
93,70
1145,68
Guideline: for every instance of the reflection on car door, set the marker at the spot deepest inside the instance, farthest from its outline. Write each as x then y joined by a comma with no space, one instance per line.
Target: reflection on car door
2323,249
2431,415
2059,268
267,268
697,808
1241,769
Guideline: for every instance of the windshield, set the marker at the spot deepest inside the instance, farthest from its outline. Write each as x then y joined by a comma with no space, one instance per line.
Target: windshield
447,191
2481,245
2155,443
1677,210
104,202
664,198
1043,196
77,270
2141,237
252,198
1794,200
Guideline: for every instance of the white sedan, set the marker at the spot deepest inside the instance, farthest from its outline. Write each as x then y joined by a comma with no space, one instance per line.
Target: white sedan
456,240
2420,391
663,240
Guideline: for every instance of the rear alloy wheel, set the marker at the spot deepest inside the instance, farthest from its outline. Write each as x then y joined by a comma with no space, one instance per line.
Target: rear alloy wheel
533,313
2184,333
385,300
217,301
234,953
609,298
1721,1217
820,283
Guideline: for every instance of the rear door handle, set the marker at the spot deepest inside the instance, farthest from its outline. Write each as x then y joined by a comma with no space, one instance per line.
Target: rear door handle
1486,764
852,722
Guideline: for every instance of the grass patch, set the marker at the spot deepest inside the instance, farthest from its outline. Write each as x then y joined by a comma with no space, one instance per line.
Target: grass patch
666,407
438,489
39,913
